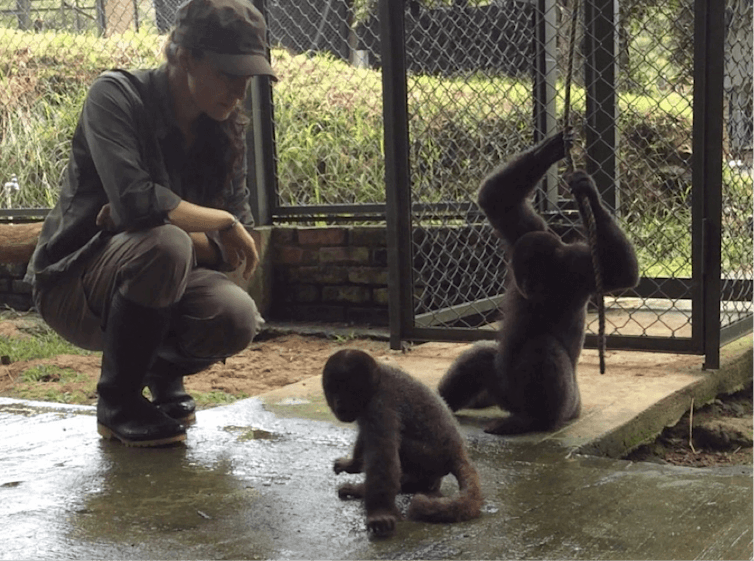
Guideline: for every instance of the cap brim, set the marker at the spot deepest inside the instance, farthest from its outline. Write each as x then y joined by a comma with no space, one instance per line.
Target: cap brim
242,64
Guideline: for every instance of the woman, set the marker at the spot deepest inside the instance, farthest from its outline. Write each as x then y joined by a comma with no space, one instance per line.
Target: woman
152,207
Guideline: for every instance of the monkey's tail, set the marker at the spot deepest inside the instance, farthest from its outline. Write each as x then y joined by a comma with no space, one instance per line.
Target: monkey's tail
464,506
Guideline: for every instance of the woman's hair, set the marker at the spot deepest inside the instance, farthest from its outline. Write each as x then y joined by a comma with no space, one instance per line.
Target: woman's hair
226,137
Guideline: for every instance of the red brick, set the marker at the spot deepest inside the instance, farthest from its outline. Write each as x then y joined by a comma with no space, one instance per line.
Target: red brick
322,236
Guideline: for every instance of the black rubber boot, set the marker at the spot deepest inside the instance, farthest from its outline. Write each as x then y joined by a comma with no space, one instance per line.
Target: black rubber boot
132,336
170,396
165,383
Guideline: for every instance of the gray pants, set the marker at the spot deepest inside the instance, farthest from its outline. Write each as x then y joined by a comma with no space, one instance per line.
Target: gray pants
212,318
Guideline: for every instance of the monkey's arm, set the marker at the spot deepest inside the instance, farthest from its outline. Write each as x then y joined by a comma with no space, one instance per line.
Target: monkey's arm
504,194
617,257
382,466
354,464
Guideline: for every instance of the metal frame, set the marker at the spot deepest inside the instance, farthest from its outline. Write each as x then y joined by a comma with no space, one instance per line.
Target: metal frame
709,35
704,288
398,183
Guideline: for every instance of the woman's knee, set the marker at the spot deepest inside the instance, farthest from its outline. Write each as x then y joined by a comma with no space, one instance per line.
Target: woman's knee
170,250
241,322
216,318
159,276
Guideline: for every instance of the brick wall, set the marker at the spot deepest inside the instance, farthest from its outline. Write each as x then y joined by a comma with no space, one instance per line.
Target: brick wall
315,274
340,275
330,275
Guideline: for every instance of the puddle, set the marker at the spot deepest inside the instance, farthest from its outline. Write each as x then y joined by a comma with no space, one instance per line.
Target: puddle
251,433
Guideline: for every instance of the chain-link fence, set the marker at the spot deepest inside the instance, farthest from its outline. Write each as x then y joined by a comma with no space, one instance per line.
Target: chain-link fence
484,80
328,115
634,108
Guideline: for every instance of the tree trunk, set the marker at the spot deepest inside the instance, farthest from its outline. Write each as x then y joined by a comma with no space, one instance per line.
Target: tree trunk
17,241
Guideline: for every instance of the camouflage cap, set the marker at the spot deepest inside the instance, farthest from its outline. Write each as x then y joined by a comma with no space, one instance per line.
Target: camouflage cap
231,33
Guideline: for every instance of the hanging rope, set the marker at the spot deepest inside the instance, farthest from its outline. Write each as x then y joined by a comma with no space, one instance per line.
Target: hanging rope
569,79
585,208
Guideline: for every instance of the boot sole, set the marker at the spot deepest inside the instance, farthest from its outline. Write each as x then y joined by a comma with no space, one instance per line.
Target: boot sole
188,419
108,434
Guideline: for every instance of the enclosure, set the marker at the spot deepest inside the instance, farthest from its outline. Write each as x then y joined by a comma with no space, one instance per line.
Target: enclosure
391,113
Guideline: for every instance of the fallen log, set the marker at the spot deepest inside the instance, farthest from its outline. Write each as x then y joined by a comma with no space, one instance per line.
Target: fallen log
17,241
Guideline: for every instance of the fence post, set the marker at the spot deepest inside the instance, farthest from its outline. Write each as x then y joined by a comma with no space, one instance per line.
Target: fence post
397,180
23,14
260,144
707,181
600,66
100,17
545,77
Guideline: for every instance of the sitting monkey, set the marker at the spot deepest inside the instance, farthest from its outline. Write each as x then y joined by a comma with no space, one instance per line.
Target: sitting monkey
408,441
531,370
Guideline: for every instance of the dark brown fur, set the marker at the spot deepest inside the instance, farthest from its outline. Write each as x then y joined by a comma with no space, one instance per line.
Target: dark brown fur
531,371
408,441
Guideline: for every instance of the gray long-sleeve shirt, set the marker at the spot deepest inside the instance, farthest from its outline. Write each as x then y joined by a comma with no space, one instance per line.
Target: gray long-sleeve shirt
127,150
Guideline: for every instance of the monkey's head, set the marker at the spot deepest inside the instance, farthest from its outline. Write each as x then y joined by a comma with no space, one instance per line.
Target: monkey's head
349,379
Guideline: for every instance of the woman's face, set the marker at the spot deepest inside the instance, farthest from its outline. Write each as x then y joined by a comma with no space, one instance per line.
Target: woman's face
214,92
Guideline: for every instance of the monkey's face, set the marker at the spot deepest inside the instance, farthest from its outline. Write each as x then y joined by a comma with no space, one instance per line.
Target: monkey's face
346,396
343,407
347,383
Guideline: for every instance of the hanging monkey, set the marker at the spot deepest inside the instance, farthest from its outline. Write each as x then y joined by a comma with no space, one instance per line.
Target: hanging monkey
531,370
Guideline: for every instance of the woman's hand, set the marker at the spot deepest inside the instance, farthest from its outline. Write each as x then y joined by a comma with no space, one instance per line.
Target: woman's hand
240,246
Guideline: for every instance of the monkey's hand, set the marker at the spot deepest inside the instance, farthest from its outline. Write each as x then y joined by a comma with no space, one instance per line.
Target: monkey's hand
582,185
351,491
381,523
347,465
554,148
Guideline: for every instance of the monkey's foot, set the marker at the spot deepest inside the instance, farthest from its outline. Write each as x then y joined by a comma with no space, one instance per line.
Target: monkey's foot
348,465
515,424
555,147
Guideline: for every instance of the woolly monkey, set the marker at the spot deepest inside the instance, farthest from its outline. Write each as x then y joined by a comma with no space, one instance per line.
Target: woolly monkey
531,370
408,440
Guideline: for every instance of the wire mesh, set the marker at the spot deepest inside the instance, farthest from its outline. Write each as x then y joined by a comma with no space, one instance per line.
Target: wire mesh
50,53
737,259
468,114
328,105
472,79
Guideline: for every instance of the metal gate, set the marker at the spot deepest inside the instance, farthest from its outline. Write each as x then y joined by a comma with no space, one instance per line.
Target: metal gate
662,127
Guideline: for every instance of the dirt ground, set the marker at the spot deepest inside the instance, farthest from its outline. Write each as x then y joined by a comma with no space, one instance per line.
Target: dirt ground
718,434
268,363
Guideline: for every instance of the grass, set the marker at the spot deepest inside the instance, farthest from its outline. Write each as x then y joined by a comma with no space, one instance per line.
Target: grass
50,373
48,382
42,343
216,397
329,132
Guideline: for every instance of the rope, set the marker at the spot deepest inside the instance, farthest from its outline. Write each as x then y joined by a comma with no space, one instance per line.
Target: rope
569,79
585,208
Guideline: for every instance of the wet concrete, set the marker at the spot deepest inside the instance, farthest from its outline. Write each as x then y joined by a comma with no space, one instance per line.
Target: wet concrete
254,481
248,484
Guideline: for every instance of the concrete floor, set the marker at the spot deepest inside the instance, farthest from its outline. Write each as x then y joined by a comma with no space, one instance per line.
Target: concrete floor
254,479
